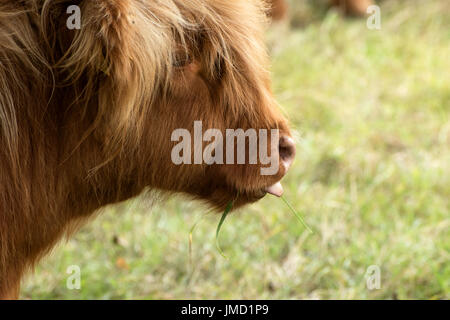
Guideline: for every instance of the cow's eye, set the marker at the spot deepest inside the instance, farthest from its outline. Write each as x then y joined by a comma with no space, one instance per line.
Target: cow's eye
181,59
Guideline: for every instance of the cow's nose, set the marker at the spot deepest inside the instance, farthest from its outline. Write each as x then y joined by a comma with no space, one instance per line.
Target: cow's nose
287,151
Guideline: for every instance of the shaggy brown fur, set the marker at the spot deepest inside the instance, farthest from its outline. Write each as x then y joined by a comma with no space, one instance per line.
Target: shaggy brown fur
86,115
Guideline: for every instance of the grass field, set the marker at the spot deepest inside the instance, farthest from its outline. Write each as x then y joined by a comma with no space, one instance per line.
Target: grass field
372,178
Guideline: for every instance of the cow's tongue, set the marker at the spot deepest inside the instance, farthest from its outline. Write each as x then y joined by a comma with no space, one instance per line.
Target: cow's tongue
276,189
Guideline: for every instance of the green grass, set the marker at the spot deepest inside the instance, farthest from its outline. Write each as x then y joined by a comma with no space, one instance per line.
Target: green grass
219,227
372,179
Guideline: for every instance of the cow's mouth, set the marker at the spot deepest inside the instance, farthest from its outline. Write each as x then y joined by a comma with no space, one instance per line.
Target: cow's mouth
243,198
219,195
275,189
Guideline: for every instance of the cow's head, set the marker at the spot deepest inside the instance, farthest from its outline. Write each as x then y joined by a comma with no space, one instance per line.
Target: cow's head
161,66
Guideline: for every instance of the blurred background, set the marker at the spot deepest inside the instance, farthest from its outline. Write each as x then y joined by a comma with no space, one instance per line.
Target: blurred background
372,178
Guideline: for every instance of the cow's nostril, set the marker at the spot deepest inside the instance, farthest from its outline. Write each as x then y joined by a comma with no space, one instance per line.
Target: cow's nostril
287,150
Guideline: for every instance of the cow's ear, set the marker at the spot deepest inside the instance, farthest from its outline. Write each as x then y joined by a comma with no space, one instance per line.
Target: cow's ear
100,33
113,57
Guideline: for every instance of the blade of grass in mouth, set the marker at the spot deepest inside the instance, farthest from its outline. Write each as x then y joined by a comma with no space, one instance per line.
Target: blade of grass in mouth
190,240
299,217
224,215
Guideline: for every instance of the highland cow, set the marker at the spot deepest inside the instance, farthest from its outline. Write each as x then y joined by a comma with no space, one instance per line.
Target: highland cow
86,115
